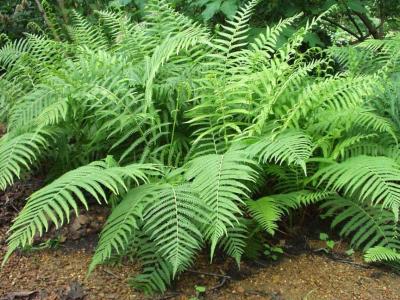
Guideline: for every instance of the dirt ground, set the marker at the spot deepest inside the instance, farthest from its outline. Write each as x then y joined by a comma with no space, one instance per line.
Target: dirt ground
60,274
52,274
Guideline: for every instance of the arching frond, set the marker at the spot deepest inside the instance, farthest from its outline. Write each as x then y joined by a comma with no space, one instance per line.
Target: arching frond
371,179
157,272
122,223
268,210
84,33
366,226
172,223
19,153
222,182
379,253
55,201
234,243
292,147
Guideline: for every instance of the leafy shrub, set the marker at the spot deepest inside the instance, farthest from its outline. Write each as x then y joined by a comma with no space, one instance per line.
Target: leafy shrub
183,127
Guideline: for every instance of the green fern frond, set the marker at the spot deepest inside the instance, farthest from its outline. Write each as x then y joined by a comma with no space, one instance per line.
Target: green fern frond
294,80
340,149
12,51
157,273
372,179
234,243
367,226
19,153
334,93
291,146
122,223
379,253
269,210
235,34
84,33
221,182
266,43
28,108
169,47
172,222
370,119
55,201
118,25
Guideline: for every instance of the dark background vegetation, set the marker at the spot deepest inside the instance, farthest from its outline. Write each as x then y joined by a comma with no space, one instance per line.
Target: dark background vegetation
350,21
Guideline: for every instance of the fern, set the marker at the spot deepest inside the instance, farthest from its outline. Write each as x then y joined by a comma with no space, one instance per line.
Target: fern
54,201
235,242
157,272
368,226
83,33
374,179
172,223
19,153
122,224
220,181
234,37
292,147
268,210
379,253
226,119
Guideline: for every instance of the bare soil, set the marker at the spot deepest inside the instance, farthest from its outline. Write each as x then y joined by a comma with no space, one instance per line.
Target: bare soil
51,273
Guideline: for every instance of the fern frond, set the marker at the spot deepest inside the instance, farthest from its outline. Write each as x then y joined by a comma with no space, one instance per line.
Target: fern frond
122,223
12,51
291,146
118,24
234,243
372,179
367,226
379,253
334,93
235,34
55,201
19,153
266,41
157,272
172,222
170,46
221,182
268,210
345,144
84,33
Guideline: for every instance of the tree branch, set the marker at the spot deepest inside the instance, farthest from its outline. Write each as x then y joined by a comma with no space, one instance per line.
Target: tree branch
354,22
367,22
342,27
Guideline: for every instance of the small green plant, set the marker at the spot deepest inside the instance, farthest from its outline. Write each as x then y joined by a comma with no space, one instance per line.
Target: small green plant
330,244
273,252
53,243
200,290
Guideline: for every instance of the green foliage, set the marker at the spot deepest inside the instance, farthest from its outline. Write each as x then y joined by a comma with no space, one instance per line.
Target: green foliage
268,210
19,153
220,181
330,244
193,126
54,201
369,226
172,222
372,179
379,253
273,252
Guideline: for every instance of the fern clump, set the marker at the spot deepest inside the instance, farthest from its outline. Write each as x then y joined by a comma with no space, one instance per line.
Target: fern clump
182,127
